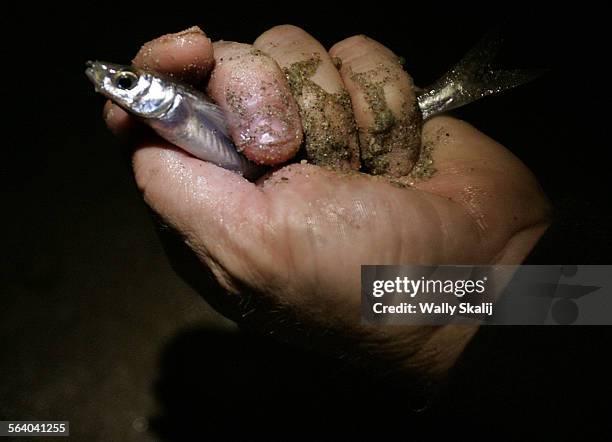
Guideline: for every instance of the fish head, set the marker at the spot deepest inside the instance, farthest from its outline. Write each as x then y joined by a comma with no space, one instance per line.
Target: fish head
139,92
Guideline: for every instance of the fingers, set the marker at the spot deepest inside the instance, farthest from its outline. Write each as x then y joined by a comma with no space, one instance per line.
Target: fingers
329,130
263,117
186,55
384,105
118,121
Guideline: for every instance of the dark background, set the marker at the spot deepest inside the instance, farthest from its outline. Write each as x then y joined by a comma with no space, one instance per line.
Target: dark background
97,329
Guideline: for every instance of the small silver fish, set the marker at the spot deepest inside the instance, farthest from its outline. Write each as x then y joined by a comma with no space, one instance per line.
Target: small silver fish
189,120
178,113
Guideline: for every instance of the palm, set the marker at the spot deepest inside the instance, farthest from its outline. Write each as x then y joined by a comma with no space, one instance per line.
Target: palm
318,227
297,241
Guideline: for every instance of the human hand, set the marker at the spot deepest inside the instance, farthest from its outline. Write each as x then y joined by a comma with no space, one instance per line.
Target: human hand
287,250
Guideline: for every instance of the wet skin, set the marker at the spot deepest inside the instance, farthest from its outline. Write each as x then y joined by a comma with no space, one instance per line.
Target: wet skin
295,240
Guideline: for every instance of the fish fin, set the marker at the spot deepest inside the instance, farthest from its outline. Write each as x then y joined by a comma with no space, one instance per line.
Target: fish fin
215,136
215,115
472,78
228,157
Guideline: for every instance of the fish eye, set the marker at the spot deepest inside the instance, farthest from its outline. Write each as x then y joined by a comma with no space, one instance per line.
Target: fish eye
125,80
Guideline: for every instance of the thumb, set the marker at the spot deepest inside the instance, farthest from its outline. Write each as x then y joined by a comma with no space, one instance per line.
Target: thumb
218,213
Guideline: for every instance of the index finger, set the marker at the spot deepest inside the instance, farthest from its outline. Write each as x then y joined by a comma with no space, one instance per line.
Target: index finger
185,55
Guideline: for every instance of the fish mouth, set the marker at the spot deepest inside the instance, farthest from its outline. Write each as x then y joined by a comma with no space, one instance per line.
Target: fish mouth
95,72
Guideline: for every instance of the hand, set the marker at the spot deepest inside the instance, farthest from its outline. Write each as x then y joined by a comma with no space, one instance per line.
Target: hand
288,249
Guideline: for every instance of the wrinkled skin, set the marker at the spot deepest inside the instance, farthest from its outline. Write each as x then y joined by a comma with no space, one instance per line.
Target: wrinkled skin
287,250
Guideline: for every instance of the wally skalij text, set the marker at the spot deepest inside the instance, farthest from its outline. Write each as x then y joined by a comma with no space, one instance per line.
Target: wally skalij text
426,301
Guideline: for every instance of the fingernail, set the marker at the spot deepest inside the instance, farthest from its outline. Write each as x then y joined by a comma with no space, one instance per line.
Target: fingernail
269,139
191,30
109,111
268,130
181,38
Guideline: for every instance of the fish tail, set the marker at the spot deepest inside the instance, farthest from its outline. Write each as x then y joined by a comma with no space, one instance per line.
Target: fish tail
472,78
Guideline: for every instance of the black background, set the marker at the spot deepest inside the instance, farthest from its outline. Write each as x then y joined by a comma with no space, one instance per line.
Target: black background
97,329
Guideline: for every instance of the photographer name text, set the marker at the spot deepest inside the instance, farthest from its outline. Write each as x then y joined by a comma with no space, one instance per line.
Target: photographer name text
413,288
